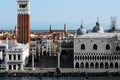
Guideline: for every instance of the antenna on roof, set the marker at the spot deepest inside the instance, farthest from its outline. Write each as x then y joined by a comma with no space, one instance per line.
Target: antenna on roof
113,23
81,23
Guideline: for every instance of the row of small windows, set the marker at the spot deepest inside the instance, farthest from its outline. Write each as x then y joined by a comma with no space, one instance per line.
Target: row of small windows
95,47
14,67
105,65
97,58
13,57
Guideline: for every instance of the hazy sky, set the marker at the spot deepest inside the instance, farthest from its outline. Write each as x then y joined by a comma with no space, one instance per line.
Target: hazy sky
58,12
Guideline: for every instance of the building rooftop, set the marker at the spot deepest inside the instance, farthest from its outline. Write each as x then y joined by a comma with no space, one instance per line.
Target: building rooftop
2,44
99,35
18,47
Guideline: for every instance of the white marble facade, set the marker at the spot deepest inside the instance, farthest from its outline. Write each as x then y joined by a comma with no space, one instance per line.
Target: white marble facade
97,50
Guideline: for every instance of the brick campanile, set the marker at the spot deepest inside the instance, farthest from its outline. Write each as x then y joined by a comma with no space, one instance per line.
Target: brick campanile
23,21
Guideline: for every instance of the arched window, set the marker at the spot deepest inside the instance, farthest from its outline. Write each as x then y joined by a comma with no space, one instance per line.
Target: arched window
117,48
107,57
101,65
107,47
115,57
97,57
91,65
111,65
82,65
77,65
100,57
95,47
110,58
85,57
75,57
82,47
96,65
116,65
106,65
78,58
93,57
103,57
87,65
88,57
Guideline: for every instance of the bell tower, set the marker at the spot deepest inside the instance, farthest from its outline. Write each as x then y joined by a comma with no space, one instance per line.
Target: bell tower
23,21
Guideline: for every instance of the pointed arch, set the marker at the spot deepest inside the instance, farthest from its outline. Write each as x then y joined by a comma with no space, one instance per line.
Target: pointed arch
101,65
91,65
96,65
82,65
106,65
95,47
75,57
111,65
117,48
87,65
78,58
116,65
82,47
107,47
77,65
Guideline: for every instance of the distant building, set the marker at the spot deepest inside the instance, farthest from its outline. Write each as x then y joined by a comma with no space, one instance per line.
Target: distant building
16,57
97,50
33,45
3,48
47,46
13,56
42,45
59,32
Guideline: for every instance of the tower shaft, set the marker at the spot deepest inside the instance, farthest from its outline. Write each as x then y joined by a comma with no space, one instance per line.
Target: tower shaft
23,35
23,21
